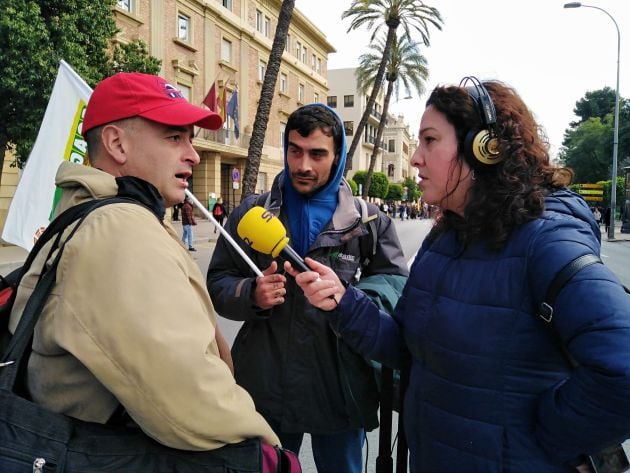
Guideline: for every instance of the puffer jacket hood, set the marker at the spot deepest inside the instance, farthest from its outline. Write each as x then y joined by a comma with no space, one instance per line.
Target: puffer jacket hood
563,202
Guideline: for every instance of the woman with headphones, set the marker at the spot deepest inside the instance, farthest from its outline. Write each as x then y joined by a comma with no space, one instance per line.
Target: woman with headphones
512,368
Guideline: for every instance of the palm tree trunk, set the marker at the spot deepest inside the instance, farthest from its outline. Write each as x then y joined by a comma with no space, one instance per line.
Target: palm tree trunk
3,150
379,137
391,35
254,152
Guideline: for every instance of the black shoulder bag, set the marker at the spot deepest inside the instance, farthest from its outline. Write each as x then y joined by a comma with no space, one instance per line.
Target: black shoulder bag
35,439
612,459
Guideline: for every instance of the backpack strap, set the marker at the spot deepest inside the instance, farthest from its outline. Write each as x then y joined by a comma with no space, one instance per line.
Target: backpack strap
367,242
19,346
545,310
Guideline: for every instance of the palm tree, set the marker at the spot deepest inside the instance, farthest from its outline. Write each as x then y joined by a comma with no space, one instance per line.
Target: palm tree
407,65
254,152
412,15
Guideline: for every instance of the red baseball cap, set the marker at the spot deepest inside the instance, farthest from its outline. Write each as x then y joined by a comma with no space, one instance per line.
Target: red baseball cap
132,94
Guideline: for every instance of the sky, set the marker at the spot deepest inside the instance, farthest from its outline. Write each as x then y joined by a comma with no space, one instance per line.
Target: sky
552,56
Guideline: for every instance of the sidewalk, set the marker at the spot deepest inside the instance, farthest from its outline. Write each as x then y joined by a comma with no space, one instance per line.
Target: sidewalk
618,235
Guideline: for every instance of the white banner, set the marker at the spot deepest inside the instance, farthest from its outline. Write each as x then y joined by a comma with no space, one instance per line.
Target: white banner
59,139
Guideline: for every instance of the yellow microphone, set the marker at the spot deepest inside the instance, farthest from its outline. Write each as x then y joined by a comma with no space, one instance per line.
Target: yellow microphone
263,231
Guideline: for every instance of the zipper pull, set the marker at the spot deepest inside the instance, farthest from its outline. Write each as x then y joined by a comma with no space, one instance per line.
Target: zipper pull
38,465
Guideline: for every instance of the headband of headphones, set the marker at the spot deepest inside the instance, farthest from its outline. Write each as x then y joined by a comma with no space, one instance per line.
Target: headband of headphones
482,100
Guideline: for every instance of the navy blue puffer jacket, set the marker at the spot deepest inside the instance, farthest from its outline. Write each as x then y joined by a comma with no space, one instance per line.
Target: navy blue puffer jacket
490,389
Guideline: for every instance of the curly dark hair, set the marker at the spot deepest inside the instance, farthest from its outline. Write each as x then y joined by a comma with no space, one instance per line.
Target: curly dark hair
512,192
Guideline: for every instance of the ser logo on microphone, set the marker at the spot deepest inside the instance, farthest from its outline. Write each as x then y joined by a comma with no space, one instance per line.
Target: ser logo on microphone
267,216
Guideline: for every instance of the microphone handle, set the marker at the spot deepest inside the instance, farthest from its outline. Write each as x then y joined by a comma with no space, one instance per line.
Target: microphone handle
296,260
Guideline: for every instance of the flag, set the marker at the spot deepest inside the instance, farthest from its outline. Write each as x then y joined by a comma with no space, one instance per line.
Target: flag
232,111
211,99
59,139
222,107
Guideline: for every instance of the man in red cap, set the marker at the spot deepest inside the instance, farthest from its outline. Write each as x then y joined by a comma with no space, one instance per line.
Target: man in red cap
112,335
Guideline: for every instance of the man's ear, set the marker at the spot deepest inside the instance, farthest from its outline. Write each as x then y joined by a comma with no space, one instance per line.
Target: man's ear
113,142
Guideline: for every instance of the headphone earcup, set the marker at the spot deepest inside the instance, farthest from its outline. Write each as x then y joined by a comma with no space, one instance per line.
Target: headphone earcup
481,147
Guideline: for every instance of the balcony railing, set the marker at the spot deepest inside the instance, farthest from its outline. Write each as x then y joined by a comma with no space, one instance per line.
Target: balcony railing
372,140
223,136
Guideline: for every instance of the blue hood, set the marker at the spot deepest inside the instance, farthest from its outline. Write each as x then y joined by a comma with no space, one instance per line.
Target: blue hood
564,202
308,215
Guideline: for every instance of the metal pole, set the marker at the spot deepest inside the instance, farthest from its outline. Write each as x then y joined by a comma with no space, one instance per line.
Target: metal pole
613,186
224,232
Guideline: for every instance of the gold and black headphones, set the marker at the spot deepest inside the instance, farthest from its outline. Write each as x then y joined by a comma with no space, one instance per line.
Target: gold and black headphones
481,145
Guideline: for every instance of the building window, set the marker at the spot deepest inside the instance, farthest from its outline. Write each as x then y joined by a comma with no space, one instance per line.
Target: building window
349,127
262,68
185,90
227,4
405,148
259,21
283,82
314,62
298,49
283,128
316,97
126,5
287,45
261,184
301,93
304,55
318,69
392,146
331,101
348,100
226,50
390,170
183,27
267,27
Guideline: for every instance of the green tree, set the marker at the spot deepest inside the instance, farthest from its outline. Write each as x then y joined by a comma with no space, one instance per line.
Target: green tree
412,15
406,65
598,103
395,192
254,152
413,190
588,143
588,150
132,57
380,183
354,186
34,36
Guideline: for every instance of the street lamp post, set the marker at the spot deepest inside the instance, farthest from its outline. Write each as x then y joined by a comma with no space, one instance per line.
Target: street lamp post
613,190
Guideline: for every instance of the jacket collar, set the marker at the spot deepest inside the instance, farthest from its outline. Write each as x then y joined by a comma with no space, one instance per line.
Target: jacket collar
142,191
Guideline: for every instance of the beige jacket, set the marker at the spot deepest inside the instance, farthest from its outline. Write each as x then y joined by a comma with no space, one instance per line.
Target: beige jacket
130,320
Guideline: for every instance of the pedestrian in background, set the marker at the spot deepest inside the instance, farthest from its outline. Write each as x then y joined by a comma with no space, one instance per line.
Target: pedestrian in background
219,212
491,386
597,215
607,213
176,210
188,220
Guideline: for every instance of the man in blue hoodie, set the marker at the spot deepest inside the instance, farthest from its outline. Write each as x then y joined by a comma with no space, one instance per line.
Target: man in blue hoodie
302,377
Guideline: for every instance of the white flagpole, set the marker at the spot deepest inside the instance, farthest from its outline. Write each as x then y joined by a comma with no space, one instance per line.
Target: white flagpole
225,233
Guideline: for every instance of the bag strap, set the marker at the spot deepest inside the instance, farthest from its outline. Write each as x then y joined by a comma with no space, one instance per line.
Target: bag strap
545,311
20,344
368,242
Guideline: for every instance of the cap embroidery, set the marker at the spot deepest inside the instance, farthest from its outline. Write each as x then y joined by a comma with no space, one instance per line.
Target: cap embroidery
172,91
